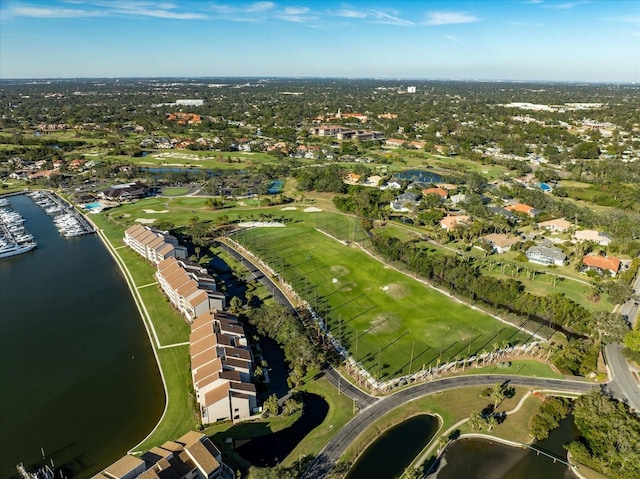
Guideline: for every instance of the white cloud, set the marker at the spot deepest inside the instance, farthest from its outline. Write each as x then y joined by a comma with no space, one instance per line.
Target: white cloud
452,38
448,18
260,7
350,13
99,8
390,18
51,12
295,10
564,6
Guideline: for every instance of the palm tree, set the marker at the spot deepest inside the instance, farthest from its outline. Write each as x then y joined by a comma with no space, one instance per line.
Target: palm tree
476,421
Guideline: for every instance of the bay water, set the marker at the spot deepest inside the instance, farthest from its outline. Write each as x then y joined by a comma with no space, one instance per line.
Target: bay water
78,378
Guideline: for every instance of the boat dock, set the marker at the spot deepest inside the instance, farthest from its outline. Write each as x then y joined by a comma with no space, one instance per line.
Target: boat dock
66,218
14,237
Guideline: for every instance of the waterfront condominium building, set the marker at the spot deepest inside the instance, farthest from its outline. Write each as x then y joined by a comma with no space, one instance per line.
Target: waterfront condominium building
193,456
152,244
221,368
191,291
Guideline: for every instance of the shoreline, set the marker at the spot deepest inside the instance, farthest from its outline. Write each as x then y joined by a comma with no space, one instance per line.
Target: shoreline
144,316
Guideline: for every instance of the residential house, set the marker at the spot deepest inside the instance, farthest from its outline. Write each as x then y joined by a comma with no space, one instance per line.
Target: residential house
441,192
152,244
76,164
405,202
395,142
391,185
524,209
559,225
601,264
598,237
546,255
450,222
458,198
501,243
417,145
499,210
221,368
351,178
373,180
192,456
127,467
191,294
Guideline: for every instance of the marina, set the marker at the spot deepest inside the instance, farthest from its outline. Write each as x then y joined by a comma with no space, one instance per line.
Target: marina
77,356
14,237
68,221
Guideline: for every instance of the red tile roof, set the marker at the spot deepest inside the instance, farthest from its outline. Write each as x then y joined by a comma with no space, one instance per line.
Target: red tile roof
594,261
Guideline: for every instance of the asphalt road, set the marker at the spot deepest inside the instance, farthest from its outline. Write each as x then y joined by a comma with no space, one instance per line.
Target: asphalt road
361,399
321,466
371,408
256,273
623,384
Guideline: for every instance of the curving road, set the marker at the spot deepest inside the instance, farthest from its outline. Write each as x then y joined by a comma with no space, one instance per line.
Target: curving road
623,384
332,452
371,408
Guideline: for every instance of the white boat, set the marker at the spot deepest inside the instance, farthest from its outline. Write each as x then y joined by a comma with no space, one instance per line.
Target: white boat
44,472
13,249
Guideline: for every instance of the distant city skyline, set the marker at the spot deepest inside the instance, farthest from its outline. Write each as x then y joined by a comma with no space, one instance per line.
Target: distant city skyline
521,40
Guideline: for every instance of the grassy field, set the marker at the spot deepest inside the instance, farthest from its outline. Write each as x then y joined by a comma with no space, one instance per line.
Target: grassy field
180,416
379,314
521,368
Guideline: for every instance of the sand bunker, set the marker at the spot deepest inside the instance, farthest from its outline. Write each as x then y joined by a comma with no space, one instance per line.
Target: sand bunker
289,208
312,209
144,221
396,291
154,211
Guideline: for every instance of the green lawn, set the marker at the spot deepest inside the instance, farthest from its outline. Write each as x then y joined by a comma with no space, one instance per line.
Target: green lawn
180,416
520,368
174,191
379,314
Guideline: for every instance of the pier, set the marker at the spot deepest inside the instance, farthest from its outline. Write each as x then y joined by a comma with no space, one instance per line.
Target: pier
14,237
66,218
547,454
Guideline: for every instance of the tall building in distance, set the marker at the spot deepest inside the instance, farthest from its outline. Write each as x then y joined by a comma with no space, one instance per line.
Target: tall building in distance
411,89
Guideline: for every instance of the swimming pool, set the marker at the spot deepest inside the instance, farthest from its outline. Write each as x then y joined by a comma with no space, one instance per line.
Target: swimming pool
92,206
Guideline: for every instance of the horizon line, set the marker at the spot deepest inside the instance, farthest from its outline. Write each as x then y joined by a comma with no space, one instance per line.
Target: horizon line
336,77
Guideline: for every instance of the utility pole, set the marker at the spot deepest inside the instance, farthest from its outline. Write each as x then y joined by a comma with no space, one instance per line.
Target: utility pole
411,361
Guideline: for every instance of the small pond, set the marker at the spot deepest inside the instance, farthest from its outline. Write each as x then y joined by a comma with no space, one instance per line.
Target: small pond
485,459
394,450
419,175
271,449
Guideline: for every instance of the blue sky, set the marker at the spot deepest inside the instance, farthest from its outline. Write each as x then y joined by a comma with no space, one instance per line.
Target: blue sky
557,40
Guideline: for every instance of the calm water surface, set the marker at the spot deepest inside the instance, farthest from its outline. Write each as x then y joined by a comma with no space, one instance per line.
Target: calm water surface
77,373
484,459
393,451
